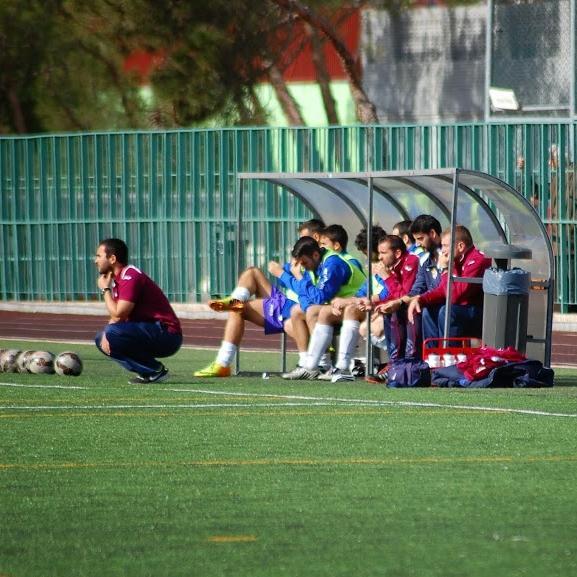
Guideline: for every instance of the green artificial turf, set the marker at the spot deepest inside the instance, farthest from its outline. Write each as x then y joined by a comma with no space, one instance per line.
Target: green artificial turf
253,477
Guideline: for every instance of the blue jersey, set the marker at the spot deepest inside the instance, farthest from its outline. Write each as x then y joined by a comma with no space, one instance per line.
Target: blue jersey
287,289
378,287
428,277
418,251
332,273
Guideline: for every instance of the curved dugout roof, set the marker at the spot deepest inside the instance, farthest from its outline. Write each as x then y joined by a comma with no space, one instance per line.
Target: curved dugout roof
495,213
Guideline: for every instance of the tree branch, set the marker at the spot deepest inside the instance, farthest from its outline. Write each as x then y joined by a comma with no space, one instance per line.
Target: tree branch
366,110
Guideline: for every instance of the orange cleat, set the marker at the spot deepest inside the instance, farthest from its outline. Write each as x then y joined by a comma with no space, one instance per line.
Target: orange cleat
213,370
226,304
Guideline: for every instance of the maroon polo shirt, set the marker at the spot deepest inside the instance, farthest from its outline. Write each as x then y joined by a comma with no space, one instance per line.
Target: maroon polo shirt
150,303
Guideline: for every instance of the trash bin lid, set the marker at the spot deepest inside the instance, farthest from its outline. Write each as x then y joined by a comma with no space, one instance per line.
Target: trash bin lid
507,251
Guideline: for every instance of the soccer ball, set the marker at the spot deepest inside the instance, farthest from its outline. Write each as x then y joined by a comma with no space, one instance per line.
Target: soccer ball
22,361
41,362
8,361
68,363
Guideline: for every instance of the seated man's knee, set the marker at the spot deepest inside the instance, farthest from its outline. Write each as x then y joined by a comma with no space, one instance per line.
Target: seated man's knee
251,272
297,313
313,314
326,316
377,327
352,312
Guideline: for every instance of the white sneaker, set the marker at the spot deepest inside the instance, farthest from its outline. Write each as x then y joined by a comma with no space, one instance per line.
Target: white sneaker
301,374
342,375
324,369
328,375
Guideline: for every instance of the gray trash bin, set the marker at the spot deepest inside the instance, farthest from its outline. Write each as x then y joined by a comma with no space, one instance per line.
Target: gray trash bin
506,308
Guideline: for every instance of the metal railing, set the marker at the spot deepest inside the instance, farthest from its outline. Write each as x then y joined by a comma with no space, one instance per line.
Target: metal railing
172,196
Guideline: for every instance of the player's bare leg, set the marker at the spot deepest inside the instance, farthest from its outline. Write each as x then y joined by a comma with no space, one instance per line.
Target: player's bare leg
233,332
252,282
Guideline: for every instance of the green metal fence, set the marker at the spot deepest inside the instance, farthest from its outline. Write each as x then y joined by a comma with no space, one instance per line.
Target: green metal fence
172,196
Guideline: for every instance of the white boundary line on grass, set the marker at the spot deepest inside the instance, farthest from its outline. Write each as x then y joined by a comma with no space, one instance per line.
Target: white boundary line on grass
382,403
167,406
42,386
292,401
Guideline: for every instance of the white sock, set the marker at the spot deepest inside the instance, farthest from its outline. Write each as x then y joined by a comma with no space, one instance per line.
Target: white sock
379,342
348,343
240,293
320,340
325,361
226,354
302,358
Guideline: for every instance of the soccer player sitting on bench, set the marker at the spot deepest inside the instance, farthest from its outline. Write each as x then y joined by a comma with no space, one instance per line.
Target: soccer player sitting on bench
336,277
346,311
403,229
271,310
466,298
427,233
400,272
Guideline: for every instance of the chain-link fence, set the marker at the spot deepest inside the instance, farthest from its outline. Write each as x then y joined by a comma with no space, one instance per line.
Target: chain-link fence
531,54
441,64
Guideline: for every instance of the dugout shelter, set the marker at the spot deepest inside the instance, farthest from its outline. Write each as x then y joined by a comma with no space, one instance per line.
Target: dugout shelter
498,217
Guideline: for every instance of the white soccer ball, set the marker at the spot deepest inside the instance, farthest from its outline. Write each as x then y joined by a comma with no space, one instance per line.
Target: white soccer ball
22,361
41,362
8,361
68,363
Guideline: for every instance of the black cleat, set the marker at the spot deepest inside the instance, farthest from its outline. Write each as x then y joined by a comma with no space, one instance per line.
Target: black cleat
157,377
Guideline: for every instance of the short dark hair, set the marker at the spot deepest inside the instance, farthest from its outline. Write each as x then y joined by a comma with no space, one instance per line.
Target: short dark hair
395,242
305,246
314,226
336,233
425,223
116,247
404,227
362,239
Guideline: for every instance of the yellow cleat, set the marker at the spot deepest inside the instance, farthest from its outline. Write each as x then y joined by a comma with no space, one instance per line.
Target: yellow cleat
226,304
213,370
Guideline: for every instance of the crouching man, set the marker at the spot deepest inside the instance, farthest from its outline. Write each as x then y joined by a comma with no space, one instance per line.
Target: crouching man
143,325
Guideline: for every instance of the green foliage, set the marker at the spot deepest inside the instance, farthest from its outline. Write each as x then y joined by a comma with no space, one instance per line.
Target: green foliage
57,75
26,30
62,62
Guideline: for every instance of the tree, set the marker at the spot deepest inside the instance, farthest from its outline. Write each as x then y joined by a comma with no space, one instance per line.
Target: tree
366,110
62,62
22,42
212,53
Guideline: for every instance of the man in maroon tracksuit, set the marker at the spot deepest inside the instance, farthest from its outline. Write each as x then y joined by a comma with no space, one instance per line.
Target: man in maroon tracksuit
466,298
401,271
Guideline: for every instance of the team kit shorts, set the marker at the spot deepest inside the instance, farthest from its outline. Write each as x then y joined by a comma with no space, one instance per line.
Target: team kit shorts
276,308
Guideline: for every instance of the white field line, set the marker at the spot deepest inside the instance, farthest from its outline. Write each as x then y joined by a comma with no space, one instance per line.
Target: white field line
42,386
383,403
292,401
164,406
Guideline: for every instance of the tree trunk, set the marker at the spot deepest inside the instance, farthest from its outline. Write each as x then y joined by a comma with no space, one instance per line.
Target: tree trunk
366,110
322,75
288,104
17,113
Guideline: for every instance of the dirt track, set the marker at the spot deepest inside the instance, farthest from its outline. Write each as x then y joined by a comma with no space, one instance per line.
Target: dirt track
198,333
